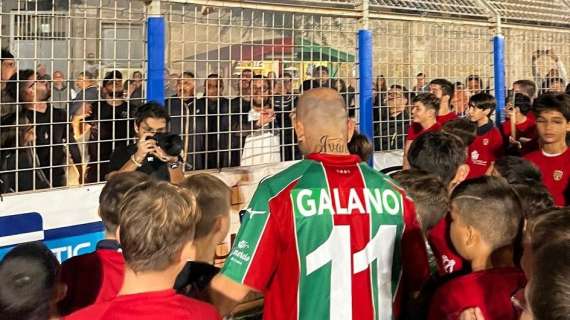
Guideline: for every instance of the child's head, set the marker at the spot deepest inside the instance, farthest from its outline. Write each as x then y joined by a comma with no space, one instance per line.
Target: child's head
516,170
461,128
481,107
29,287
429,194
112,194
360,146
440,154
535,199
157,223
214,202
549,226
519,103
552,117
548,290
425,108
486,215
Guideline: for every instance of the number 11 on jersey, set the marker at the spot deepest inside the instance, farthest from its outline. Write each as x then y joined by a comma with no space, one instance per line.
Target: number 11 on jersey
336,250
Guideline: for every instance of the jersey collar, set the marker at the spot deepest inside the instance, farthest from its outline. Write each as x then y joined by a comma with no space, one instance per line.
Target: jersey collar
348,159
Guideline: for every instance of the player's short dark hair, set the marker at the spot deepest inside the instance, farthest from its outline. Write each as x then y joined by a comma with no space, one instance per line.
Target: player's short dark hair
521,101
549,289
421,74
552,225
553,102
474,77
213,197
151,110
112,76
462,128
437,153
429,194
535,199
5,54
360,146
15,87
28,280
517,170
113,193
429,100
490,205
528,87
446,86
483,101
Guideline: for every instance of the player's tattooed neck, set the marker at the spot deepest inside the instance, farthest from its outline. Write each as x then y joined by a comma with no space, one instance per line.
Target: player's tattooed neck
332,145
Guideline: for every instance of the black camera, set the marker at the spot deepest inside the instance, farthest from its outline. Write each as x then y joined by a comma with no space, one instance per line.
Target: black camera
171,143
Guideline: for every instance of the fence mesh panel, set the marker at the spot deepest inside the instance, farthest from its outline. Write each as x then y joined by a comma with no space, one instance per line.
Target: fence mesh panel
235,70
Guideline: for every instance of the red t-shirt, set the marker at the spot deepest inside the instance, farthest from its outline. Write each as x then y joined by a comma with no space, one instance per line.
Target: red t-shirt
91,278
526,130
490,290
487,147
165,304
415,130
446,118
555,172
448,260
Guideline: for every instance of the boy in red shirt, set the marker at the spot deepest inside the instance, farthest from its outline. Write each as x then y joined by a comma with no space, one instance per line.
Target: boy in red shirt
444,91
486,216
157,223
553,159
424,119
98,276
214,200
443,155
488,144
525,136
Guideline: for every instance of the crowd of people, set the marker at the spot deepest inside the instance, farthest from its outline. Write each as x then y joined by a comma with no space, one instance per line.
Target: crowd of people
474,227
50,128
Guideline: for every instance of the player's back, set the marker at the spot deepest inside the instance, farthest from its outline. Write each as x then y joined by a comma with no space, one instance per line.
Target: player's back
322,241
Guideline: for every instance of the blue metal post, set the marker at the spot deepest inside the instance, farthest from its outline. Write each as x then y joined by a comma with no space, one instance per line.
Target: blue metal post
155,64
499,70
365,71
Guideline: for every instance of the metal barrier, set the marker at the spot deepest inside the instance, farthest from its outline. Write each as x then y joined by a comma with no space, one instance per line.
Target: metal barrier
210,52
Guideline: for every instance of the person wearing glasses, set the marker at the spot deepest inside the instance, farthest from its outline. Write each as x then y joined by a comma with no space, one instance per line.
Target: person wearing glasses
391,122
146,155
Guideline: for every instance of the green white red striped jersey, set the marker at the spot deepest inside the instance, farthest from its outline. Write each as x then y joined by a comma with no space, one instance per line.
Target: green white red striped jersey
323,240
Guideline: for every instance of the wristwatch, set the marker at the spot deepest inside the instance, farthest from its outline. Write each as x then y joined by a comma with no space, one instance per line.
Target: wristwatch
176,164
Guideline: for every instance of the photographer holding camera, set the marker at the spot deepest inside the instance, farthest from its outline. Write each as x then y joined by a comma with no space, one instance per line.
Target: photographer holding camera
156,153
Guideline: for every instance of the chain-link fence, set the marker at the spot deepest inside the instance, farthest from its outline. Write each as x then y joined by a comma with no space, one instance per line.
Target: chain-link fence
234,71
